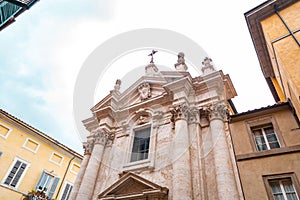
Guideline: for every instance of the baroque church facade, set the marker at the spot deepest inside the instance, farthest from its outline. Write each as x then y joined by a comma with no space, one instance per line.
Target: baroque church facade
165,137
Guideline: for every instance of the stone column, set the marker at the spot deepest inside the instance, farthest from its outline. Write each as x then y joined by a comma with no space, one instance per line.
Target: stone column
88,146
89,179
182,184
225,179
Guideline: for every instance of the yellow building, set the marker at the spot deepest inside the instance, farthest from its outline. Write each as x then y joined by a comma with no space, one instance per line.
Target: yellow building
275,30
31,160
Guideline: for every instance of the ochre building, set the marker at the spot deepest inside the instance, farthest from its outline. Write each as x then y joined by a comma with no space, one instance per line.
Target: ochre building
32,162
275,30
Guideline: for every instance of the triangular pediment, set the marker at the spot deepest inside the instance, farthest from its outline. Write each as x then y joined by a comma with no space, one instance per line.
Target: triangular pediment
138,93
145,88
132,186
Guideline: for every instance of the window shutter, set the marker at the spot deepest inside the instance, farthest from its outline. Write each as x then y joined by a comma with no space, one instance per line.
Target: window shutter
18,175
41,179
53,187
67,192
15,174
70,190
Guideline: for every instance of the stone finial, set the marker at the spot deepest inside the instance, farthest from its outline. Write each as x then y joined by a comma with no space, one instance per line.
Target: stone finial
117,85
180,65
151,69
207,66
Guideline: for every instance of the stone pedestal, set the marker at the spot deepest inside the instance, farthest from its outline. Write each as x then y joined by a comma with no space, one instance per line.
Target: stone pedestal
182,184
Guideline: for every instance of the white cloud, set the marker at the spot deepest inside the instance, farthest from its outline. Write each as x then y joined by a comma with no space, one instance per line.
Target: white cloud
57,40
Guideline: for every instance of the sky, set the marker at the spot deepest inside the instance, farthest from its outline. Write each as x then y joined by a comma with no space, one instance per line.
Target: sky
42,52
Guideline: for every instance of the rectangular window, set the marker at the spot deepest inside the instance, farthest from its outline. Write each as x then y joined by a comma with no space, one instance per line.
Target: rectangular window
4,131
283,189
265,137
74,168
47,183
16,173
56,158
140,148
67,191
31,145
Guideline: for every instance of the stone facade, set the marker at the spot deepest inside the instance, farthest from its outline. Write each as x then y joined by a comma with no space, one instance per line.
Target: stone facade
188,154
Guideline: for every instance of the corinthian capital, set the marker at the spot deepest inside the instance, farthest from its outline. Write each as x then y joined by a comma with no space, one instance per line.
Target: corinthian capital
180,112
194,116
88,147
100,136
218,110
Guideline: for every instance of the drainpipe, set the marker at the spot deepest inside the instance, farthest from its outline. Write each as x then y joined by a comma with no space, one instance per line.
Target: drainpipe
62,181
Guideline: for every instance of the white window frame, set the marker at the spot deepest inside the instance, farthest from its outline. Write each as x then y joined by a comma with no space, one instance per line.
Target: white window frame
62,160
65,185
145,163
53,177
262,128
9,170
73,163
8,132
282,188
33,151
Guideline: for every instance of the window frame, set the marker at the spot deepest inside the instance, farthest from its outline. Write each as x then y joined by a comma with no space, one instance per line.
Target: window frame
145,163
16,159
63,190
268,178
135,131
78,165
8,132
262,128
54,177
51,156
33,151
261,122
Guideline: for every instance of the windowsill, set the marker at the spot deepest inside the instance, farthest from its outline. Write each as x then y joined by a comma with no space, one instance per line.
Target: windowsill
13,189
266,153
138,165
